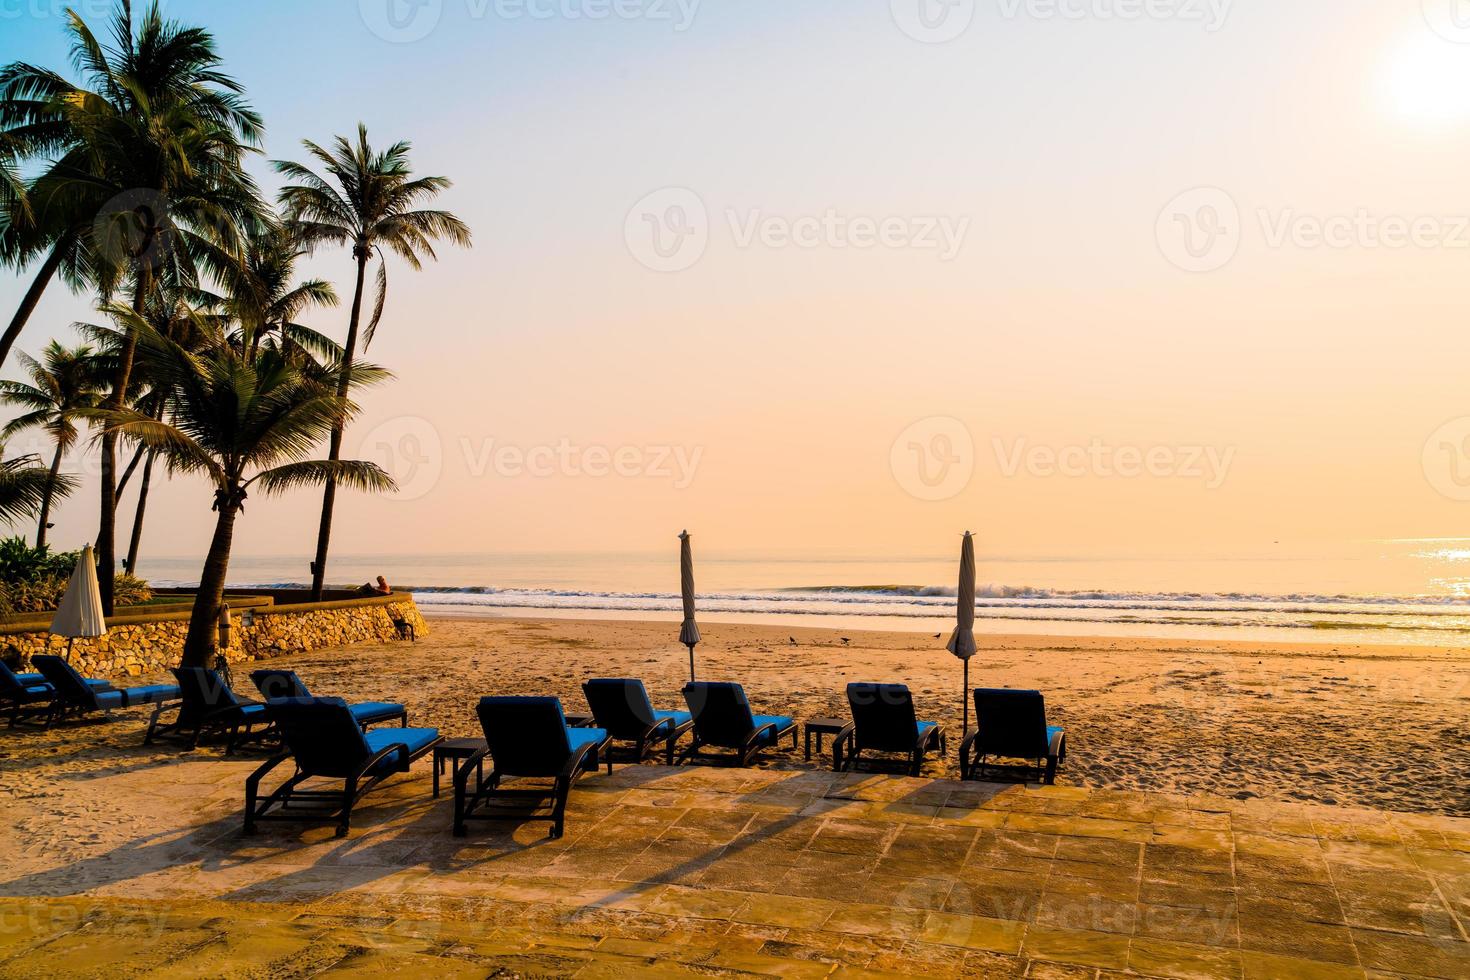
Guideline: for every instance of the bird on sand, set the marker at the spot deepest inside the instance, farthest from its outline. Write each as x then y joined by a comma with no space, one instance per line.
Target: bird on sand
792,639
846,640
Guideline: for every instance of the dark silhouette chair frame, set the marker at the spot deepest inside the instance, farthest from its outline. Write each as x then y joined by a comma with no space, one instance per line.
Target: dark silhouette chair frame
207,708
275,682
326,742
74,695
622,708
1011,724
525,737
883,720
723,719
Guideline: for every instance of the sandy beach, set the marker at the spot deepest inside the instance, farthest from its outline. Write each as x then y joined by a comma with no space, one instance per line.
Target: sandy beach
1380,727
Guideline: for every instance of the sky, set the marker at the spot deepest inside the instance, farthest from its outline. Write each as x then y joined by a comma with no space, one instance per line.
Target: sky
1183,276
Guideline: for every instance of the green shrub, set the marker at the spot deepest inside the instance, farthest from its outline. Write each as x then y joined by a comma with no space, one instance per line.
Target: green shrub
33,580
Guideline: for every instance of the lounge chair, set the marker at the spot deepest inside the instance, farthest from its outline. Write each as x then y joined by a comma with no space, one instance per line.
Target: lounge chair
1012,725
274,684
326,742
28,695
722,718
622,708
74,695
883,721
525,737
208,707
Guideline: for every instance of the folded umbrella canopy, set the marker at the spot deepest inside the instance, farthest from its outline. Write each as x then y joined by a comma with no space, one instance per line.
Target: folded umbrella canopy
689,632
80,612
962,640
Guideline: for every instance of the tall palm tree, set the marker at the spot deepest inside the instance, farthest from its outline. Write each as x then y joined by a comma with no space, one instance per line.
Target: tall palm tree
23,484
146,185
241,423
63,384
370,201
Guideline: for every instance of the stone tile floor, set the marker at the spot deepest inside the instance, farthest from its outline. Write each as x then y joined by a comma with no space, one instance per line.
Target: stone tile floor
720,872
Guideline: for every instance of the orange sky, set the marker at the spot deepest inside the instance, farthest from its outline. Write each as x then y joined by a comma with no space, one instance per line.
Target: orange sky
1314,373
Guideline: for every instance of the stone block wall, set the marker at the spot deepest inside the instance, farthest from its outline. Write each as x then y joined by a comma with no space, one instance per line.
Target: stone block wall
133,648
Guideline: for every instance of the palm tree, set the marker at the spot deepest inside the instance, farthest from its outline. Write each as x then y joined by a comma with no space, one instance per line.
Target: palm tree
143,159
23,485
241,423
63,383
370,201
264,300
146,185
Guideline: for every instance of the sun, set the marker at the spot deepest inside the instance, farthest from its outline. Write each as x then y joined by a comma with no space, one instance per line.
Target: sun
1426,81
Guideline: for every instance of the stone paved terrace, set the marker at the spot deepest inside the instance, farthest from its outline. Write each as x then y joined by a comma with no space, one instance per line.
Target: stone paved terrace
718,872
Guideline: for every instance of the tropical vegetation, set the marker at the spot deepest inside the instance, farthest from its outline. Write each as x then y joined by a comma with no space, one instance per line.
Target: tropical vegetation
125,177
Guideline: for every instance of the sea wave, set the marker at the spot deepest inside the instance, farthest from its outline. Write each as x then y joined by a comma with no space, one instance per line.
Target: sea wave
1429,615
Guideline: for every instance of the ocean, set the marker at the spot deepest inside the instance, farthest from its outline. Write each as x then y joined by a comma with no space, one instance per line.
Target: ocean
1396,591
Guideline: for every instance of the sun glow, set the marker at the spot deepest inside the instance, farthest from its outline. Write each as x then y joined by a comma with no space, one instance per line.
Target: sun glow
1427,81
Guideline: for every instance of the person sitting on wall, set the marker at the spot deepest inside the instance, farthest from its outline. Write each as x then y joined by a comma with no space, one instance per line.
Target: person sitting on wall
381,588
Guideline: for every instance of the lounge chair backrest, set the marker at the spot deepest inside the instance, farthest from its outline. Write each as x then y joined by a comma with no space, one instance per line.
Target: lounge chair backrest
70,686
276,683
10,685
527,736
883,715
321,734
1010,723
203,690
722,715
620,705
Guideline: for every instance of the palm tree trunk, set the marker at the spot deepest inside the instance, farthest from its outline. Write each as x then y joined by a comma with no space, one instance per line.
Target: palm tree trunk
28,302
203,638
107,526
46,498
122,482
334,449
132,561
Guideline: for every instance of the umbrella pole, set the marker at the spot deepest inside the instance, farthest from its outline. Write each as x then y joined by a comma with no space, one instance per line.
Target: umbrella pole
965,703
69,641
691,663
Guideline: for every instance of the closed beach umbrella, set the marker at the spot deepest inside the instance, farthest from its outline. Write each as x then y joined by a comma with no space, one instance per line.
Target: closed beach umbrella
689,632
80,612
962,640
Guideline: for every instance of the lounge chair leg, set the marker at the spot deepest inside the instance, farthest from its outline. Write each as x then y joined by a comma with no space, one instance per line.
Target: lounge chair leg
1051,771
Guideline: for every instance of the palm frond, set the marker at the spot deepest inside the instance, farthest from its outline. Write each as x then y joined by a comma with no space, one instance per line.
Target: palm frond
351,473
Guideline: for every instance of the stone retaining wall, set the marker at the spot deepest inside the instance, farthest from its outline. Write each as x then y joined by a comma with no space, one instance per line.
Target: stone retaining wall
136,644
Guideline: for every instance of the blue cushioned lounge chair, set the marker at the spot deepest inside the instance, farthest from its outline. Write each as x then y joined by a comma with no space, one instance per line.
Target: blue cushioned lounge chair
274,684
208,707
326,742
75,696
1012,725
525,737
883,721
723,719
622,708
30,695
